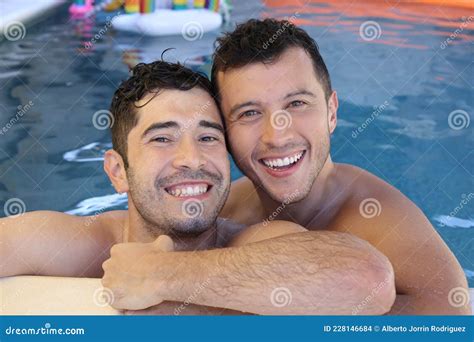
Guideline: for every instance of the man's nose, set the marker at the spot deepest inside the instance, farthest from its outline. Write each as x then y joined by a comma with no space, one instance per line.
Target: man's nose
189,155
276,129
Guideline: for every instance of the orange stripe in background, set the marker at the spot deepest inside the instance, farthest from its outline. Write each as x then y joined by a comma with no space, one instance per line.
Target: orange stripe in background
411,18
460,4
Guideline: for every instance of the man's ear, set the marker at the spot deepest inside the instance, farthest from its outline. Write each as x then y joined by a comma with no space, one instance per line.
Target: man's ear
115,169
333,104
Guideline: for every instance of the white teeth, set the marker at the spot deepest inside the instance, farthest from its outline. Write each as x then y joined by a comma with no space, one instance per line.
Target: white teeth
189,191
279,162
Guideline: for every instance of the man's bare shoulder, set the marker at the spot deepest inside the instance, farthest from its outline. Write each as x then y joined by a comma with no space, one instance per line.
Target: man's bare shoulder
243,196
56,243
103,228
371,205
360,183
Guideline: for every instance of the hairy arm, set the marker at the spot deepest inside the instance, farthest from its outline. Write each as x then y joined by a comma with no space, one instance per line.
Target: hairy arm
54,244
279,269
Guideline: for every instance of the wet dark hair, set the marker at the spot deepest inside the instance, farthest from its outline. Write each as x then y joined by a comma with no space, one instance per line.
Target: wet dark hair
148,78
264,41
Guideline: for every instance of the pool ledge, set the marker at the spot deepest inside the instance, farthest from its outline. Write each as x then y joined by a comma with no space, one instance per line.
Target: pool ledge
24,11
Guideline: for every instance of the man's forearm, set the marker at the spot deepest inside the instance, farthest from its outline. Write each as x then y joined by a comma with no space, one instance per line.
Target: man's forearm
303,273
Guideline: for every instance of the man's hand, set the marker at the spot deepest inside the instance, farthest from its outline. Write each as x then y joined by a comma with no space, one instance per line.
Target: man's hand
133,275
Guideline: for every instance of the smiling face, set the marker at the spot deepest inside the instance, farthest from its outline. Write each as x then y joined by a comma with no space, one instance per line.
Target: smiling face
179,175
278,123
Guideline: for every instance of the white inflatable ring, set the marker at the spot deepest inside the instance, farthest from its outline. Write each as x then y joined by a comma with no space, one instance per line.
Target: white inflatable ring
192,23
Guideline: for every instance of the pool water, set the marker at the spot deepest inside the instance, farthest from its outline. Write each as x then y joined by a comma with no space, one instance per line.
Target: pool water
404,77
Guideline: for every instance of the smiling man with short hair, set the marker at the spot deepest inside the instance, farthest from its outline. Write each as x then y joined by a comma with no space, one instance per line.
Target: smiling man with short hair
280,110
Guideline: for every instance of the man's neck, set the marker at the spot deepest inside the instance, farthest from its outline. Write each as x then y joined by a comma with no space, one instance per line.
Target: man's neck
136,229
313,205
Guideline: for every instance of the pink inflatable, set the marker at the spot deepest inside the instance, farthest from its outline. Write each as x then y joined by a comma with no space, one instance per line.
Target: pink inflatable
81,7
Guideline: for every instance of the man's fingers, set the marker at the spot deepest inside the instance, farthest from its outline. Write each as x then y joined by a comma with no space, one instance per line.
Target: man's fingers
164,243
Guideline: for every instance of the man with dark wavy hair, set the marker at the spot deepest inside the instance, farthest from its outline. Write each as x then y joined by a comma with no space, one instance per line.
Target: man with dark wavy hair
169,252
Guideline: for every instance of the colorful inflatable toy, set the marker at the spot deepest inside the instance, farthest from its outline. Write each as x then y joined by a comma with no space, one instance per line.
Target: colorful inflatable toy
190,18
113,5
81,7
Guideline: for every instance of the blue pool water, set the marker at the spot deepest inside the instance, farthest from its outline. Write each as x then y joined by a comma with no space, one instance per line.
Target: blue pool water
404,76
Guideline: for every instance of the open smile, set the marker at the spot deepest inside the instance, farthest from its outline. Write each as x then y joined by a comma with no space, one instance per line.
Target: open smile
189,189
283,166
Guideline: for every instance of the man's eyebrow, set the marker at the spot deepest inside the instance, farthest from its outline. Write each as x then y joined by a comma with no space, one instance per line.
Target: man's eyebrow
210,124
242,105
160,125
299,92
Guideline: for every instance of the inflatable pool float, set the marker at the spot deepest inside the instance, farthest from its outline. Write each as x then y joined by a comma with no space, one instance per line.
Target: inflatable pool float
81,7
86,8
169,22
183,17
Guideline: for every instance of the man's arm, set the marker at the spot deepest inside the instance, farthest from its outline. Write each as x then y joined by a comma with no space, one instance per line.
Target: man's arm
54,244
428,276
278,269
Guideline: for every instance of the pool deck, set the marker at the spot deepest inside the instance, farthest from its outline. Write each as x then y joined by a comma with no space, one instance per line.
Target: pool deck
42,295
25,11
